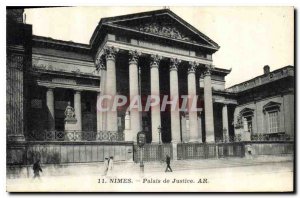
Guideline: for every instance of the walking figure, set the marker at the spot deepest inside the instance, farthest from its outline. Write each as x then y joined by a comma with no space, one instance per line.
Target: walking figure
36,169
168,160
110,166
106,164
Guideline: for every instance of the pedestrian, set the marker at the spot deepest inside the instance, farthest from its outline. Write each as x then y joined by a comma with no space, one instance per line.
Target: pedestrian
36,169
106,162
168,160
110,166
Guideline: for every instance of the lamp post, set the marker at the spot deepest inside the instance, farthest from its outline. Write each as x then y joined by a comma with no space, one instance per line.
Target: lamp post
225,135
159,132
141,140
159,143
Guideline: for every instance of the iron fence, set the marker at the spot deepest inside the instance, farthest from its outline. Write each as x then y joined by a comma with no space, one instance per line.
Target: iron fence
153,152
111,136
282,137
209,150
272,137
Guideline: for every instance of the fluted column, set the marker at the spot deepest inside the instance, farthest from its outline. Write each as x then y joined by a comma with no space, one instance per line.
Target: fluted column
133,92
101,115
184,132
111,88
155,110
50,107
174,94
208,106
225,123
200,125
77,107
193,120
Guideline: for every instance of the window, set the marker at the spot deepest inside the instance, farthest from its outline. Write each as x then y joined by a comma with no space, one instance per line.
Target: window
273,121
247,115
247,121
271,110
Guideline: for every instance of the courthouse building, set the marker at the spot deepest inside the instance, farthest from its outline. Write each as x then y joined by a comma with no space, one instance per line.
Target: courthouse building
53,87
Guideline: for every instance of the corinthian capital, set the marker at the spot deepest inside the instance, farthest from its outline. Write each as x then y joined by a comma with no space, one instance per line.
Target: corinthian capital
155,59
100,63
134,56
110,52
192,67
174,62
208,69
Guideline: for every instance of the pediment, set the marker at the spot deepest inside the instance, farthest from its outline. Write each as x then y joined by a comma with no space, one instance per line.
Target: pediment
163,23
246,112
271,106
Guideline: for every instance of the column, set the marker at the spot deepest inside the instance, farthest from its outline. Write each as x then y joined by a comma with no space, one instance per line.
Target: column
77,107
184,133
174,93
208,106
110,88
135,116
200,125
193,120
155,110
50,107
101,115
225,123
16,107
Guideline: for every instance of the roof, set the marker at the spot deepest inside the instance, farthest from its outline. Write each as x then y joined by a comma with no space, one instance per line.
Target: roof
57,42
263,79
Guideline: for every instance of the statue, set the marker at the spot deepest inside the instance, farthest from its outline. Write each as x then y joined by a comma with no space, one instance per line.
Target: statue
239,122
70,112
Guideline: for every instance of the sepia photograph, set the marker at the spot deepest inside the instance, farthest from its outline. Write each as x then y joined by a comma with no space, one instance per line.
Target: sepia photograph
150,99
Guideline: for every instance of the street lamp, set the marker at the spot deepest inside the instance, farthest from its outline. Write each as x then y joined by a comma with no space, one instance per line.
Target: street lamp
159,143
159,132
141,140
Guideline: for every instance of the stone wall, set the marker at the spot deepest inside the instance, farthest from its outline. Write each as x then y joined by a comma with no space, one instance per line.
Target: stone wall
259,120
269,148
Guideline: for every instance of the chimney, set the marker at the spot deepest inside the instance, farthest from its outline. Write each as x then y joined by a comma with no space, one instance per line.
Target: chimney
266,69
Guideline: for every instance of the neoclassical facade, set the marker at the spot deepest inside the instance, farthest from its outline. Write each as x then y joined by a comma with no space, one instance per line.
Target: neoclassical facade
151,53
53,87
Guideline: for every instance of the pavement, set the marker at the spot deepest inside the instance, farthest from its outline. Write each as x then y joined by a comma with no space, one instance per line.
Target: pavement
263,173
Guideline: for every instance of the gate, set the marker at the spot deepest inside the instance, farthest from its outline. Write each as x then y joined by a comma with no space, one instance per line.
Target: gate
153,152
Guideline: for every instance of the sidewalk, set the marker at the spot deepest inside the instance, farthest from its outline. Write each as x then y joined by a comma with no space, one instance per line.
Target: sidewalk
122,168
264,173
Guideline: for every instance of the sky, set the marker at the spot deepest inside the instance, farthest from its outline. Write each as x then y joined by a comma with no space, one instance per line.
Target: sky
249,37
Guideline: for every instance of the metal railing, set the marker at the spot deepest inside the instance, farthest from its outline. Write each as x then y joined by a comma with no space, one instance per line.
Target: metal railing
75,136
209,150
272,137
256,138
153,152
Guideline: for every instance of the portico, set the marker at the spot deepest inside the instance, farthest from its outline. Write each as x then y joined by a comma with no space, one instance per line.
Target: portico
165,57
155,63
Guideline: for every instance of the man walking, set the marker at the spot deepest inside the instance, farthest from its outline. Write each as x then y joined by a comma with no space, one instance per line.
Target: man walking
110,166
168,160
106,164
36,169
